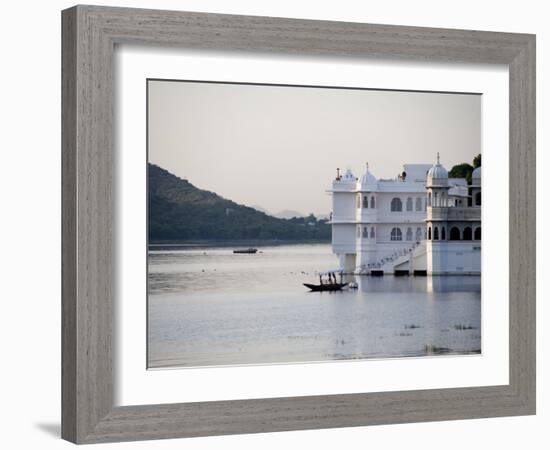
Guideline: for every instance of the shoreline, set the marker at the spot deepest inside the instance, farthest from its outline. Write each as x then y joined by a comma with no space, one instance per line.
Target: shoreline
228,243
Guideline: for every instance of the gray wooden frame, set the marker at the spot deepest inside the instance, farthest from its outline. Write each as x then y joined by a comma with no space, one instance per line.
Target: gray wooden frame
89,36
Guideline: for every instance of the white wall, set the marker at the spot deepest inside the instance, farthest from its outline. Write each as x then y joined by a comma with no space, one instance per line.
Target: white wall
453,257
343,206
385,214
30,224
343,238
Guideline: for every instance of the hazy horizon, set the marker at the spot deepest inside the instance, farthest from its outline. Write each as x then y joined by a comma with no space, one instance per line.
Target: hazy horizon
278,147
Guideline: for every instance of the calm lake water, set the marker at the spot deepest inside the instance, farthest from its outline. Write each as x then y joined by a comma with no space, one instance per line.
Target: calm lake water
208,306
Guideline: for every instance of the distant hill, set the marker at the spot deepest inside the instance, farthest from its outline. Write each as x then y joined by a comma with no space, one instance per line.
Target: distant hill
323,216
261,209
284,214
288,214
180,211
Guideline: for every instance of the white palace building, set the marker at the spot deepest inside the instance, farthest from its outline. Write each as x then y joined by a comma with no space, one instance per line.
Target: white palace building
421,223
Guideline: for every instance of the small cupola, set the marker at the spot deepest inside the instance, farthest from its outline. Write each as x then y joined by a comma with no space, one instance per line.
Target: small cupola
476,176
437,175
348,177
367,179
345,182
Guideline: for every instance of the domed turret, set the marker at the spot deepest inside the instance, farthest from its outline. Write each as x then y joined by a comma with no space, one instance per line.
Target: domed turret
348,177
476,177
346,182
437,175
367,179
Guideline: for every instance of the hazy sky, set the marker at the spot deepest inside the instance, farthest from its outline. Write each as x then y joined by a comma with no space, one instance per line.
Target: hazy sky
279,147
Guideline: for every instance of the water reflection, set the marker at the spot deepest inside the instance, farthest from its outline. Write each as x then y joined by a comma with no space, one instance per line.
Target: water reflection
212,307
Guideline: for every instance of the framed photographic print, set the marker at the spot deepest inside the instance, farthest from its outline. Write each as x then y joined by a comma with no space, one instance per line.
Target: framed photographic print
276,224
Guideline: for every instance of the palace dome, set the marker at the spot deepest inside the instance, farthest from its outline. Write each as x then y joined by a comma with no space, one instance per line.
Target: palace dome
345,182
348,177
476,176
367,178
437,175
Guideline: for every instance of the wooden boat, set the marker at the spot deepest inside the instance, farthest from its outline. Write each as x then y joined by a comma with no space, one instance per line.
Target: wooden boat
325,287
246,250
330,283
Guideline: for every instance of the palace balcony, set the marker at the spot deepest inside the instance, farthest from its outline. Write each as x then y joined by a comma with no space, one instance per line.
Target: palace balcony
453,213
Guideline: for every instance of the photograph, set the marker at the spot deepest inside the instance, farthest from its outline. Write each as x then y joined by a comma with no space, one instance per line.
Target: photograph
295,224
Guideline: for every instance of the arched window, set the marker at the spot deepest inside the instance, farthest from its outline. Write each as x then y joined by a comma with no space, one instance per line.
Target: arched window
396,234
372,202
409,204
409,234
418,203
478,199
443,233
418,234
358,201
477,234
365,233
372,232
435,199
365,201
429,233
467,234
436,234
455,234
396,205
429,199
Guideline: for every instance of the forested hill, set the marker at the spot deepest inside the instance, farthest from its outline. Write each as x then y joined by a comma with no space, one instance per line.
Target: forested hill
180,211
